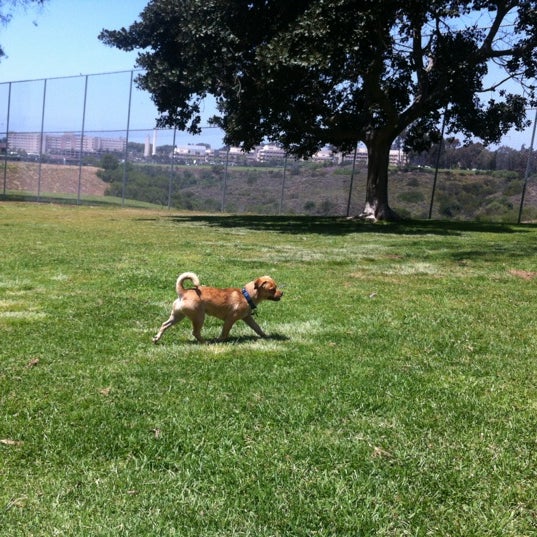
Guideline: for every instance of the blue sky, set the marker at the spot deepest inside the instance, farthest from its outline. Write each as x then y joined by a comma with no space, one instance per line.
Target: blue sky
60,40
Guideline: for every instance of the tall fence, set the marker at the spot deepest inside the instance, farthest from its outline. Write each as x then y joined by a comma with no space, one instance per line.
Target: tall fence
91,139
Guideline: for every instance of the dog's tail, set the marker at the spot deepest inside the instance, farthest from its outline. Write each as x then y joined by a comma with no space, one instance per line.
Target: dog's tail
186,276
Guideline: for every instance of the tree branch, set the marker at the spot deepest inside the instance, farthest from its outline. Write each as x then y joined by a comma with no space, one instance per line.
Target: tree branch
486,49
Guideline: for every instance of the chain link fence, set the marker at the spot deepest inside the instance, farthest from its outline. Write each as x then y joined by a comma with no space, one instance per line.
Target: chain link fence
91,139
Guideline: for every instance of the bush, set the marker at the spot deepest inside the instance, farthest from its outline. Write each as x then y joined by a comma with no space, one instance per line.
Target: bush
412,197
513,188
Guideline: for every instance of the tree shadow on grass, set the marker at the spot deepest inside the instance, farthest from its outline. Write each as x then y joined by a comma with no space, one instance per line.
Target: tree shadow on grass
298,225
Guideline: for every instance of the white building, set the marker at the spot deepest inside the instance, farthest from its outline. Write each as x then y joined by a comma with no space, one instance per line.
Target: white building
191,150
147,147
397,157
323,155
269,152
30,142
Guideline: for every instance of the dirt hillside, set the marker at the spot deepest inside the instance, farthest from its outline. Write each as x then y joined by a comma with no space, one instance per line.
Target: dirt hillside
55,178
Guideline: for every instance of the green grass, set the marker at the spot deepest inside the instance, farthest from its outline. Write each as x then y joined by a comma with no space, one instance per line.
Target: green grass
65,198
397,394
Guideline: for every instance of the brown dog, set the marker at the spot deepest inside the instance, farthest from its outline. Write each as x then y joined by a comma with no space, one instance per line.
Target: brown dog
230,305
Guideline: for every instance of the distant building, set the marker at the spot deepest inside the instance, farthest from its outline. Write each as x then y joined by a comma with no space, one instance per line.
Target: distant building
33,143
71,143
324,155
66,143
236,155
269,152
397,157
108,144
147,147
191,150
193,153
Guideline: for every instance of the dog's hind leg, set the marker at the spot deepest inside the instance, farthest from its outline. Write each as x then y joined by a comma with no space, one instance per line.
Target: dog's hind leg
197,318
228,325
175,317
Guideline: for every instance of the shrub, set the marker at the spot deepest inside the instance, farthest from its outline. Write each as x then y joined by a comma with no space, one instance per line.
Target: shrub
412,196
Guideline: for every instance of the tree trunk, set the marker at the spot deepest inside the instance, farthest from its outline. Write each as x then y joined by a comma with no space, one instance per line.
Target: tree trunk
376,197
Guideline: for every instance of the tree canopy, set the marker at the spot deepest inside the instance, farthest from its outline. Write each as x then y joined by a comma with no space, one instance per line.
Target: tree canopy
313,72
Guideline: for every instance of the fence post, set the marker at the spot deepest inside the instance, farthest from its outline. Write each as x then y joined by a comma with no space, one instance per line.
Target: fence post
352,181
171,170
82,142
41,140
7,137
124,185
283,184
437,164
526,175
224,186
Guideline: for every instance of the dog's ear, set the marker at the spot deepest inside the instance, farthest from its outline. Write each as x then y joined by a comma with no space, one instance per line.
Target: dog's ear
261,282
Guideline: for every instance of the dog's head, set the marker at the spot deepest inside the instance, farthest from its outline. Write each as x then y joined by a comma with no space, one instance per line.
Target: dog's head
267,289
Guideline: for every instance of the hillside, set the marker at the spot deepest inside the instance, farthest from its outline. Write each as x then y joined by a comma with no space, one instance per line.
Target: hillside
316,189
309,188
55,179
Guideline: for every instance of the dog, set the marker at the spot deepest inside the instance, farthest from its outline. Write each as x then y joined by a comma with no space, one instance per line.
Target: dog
230,305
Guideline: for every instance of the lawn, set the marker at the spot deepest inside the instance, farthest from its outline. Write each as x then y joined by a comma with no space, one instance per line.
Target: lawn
396,394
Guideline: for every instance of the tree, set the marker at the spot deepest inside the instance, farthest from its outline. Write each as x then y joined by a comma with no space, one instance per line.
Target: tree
310,73
7,8
109,161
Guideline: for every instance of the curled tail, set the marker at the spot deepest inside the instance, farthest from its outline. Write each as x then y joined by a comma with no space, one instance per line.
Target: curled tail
186,276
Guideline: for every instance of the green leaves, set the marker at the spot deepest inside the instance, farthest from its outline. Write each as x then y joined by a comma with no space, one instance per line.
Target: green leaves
317,72
282,70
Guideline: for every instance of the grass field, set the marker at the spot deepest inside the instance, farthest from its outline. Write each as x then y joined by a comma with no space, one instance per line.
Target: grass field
397,394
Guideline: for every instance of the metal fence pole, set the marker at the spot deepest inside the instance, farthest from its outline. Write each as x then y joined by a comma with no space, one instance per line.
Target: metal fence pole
7,137
224,186
82,142
41,140
526,175
283,184
437,164
172,169
352,181
124,185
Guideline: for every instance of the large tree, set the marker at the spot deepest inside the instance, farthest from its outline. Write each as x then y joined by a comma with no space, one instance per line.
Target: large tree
339,72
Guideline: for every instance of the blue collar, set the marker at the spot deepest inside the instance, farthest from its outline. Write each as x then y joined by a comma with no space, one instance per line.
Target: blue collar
248,299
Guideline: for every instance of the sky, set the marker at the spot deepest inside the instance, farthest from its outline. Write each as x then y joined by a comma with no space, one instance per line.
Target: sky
59,42
60,39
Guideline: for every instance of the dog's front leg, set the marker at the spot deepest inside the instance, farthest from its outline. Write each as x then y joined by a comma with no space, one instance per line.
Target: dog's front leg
249,320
